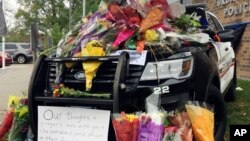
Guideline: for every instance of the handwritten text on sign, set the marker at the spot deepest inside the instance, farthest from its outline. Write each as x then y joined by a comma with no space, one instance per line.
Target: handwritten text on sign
72,124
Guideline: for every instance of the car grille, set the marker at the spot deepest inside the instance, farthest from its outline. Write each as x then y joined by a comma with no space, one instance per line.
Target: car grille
103,82
51,78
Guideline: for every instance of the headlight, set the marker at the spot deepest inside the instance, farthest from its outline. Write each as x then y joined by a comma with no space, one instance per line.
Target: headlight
6,56
178,69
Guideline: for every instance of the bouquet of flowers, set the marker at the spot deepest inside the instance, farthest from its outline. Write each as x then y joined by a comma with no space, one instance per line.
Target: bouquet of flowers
131,26
6,124
63,91
126,126
20,123
178,127
151,127
184,125
199,114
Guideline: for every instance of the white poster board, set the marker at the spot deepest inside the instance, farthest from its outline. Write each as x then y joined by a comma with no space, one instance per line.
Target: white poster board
72,124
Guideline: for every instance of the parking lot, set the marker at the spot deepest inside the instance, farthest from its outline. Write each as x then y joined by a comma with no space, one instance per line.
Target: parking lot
14,80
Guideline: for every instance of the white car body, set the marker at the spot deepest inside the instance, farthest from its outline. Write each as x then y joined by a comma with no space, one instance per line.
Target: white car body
225,64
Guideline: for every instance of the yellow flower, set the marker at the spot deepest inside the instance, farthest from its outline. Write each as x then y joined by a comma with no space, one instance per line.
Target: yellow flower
23,111
151,35
131,117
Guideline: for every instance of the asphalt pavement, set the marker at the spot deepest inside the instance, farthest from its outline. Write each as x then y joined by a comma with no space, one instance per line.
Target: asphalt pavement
14,80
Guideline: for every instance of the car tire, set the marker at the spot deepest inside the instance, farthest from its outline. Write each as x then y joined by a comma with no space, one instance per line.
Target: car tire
214,97
21,59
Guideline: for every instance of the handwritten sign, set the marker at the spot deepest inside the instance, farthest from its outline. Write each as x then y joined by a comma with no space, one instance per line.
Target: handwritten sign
72,124
135,57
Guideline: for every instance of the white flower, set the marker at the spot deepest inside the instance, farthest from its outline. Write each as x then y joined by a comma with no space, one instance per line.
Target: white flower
195,16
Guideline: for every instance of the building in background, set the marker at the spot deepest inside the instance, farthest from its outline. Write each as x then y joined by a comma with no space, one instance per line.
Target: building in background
235,12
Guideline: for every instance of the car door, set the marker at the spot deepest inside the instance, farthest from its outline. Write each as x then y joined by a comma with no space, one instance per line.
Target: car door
11,49
225,55
225,64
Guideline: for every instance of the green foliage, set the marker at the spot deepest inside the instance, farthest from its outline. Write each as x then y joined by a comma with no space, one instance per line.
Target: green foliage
185,22
92,5
56,34
62,91
51,15
15,35
239,111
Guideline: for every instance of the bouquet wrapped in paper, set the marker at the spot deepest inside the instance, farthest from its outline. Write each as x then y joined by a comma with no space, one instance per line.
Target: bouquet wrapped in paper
202,120
20,123
126,127
93,48
171,134
179,128
151,127
163,4
8,117
6,123
154,17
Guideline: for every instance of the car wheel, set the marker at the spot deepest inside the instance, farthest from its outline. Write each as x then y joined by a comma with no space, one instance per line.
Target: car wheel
214,97
21,59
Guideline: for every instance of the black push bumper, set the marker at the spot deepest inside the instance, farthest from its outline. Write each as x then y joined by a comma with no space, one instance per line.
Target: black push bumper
123,83
38,95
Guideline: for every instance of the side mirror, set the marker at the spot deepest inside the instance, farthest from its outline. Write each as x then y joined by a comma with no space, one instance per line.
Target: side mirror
226,35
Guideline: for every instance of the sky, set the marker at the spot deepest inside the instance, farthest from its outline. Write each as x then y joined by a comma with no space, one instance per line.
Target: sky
10,8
